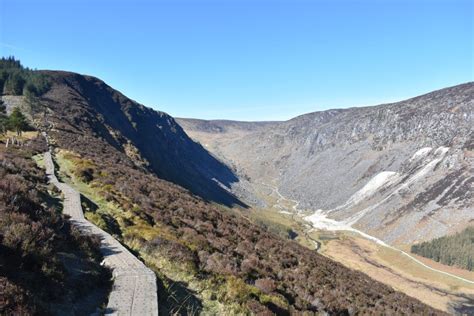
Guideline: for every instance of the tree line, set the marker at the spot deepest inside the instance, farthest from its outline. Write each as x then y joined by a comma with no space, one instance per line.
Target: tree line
456,250
18,80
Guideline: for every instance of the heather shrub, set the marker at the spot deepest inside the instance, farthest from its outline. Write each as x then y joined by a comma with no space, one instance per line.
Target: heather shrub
261,271
35,237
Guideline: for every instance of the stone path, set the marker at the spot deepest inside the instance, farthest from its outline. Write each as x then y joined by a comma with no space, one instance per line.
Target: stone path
134,290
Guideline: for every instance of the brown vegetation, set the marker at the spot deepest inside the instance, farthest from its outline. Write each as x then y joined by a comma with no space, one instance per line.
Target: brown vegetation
251,266
35,240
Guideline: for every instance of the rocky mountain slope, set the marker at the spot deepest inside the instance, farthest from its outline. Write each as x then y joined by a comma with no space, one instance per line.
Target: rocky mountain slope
152,139
402,171
206,257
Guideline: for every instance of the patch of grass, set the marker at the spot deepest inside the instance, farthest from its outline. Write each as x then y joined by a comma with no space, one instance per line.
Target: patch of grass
288,226
24,136
172,273
39,159
97,209
325,237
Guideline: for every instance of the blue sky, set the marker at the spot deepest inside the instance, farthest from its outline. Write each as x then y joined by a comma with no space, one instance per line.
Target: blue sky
248,60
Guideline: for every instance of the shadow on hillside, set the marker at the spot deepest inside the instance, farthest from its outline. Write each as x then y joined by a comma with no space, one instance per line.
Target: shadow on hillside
160,140
175,298
111,224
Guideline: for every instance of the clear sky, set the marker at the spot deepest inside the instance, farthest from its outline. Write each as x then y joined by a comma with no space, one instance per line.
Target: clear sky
248,60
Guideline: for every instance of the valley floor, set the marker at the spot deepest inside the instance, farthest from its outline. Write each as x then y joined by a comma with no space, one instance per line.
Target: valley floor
443,287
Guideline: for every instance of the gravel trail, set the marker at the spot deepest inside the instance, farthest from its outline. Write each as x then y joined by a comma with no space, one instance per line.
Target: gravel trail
134,290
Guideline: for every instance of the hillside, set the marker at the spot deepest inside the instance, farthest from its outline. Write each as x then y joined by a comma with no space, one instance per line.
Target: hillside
151,139
47,267
207,257
402,172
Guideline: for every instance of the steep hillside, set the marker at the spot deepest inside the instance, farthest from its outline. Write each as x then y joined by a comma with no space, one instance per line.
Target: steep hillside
220,261
402,172
218,134
153,140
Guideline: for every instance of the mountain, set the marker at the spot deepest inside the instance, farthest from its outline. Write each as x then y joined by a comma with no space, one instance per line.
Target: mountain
208,258
402,172
151,139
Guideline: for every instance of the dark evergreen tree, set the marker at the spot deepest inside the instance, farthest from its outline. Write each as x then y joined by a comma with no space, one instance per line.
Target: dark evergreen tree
14,84
3,117
17,121
18,80
10,63
35,85
3,79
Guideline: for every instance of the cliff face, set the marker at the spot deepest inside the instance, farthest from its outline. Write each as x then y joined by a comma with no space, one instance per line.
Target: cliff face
152,139
401,171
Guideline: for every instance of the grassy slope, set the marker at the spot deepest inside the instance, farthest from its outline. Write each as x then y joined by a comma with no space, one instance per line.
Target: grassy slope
180,281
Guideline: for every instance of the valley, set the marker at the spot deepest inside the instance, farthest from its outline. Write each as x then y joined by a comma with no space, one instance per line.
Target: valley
362,193
210,207
236,158
440,286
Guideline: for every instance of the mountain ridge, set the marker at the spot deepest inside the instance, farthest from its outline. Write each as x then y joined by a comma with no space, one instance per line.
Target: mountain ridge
323,158
335,109
151,138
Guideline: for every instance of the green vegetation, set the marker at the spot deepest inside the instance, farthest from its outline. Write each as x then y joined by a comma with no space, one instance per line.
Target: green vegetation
18,80
17,122
3,118
39,159
456,250
208,260
277,223
218,259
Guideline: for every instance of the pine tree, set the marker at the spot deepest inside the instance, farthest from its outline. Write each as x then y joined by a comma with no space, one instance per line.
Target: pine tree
17,121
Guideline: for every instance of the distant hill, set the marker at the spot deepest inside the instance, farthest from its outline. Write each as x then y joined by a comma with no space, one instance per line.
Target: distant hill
402,171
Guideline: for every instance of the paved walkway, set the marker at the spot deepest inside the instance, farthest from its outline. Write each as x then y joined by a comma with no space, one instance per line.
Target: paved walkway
134,291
